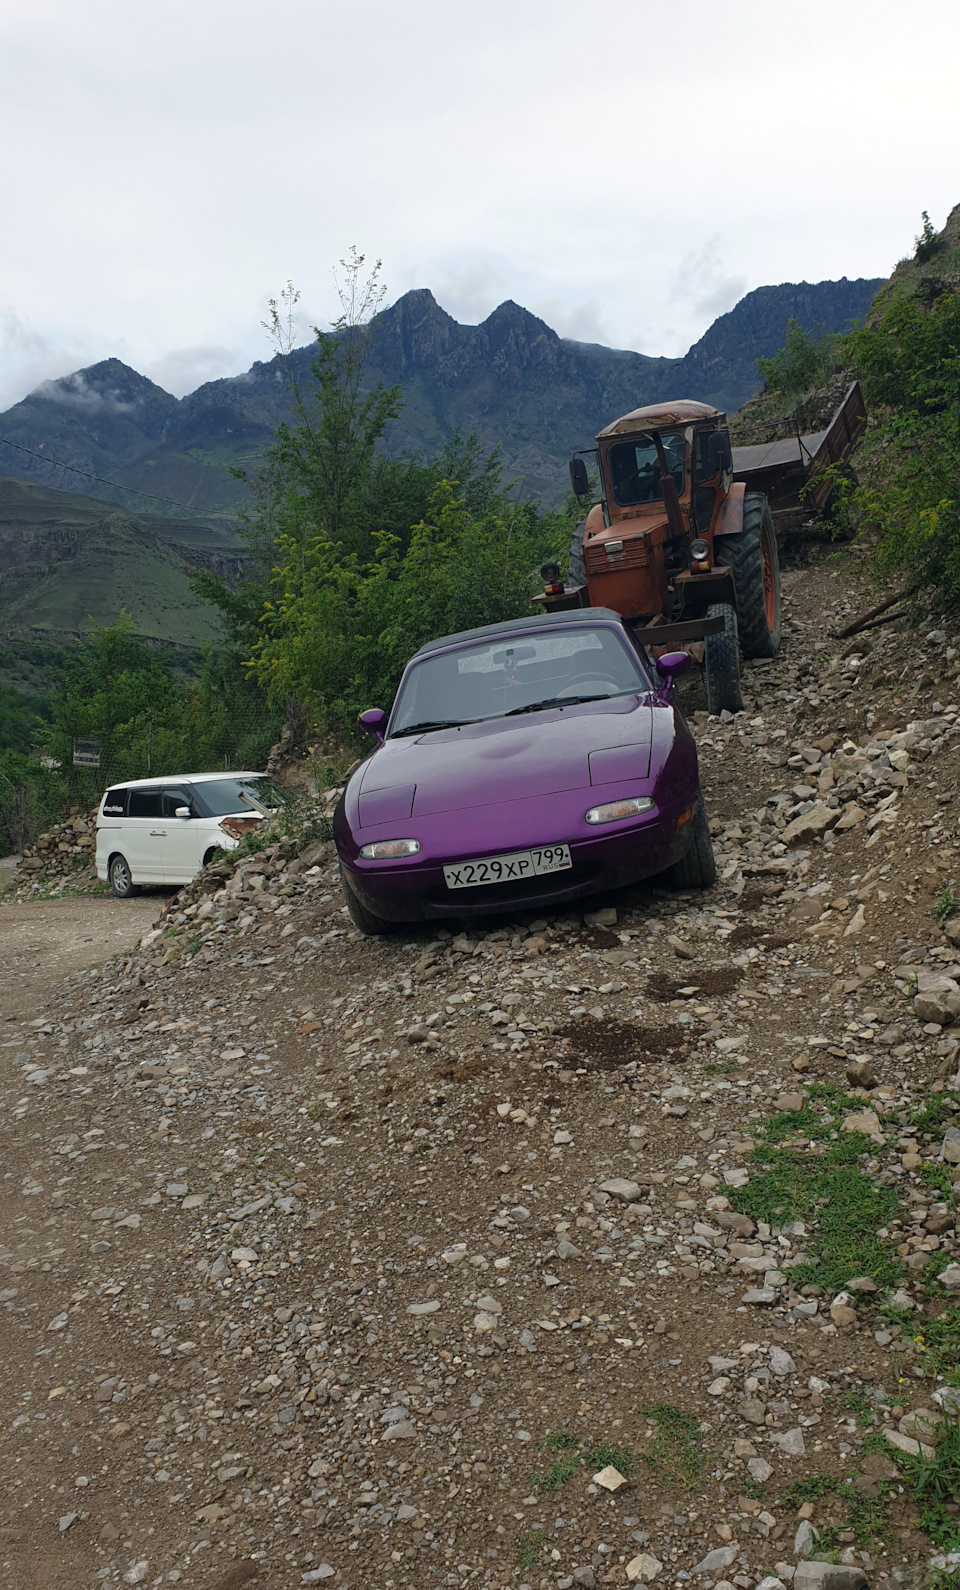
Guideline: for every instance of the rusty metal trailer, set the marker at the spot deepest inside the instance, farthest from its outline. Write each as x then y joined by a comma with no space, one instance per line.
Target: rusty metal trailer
798,464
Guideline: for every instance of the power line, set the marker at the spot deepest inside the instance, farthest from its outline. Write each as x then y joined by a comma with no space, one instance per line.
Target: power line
101,481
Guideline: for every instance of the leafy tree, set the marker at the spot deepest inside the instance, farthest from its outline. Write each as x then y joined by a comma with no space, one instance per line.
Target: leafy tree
909,503
360,558
341,628
806,360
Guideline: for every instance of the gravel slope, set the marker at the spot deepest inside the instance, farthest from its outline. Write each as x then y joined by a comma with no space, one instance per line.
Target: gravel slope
311,1243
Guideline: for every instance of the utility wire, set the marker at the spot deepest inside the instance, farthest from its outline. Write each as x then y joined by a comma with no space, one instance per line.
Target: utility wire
114,484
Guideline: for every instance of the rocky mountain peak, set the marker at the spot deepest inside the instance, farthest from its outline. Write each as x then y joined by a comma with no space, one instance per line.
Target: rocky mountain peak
416,330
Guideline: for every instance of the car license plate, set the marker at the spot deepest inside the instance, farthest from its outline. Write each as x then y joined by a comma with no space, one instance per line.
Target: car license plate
508,869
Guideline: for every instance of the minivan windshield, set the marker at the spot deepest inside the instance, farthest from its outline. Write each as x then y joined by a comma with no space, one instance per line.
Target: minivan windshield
225,797
507,676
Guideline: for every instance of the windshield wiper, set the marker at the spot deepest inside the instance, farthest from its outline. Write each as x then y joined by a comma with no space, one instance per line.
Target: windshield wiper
423,728
554,701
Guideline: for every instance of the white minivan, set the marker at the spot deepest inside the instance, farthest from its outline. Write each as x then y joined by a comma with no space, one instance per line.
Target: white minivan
163,830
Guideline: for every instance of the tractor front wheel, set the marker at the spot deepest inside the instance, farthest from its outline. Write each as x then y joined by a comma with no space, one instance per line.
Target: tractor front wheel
752,556
721,662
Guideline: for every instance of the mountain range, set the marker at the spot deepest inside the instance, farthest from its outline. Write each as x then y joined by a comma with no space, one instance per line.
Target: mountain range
511,379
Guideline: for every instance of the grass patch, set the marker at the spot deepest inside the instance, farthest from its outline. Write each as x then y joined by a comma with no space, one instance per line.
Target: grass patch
605,1455
721,1068
529,1545
934,1486
677,1452
945,905
868,1516
932,1115
823,1186
939,1343
572,1455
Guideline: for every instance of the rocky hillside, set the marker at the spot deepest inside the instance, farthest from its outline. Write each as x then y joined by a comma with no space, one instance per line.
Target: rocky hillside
511,379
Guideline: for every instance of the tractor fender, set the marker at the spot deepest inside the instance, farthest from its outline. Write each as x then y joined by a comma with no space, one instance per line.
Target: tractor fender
730,520
594,521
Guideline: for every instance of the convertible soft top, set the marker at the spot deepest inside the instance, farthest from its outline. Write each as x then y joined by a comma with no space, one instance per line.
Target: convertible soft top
511,626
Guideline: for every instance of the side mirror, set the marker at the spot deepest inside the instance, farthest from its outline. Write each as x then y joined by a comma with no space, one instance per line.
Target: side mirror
578,477
374,720
182,811
672,665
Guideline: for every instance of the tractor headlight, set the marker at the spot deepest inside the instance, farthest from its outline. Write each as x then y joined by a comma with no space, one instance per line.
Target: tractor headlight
389,849
699,550
615,811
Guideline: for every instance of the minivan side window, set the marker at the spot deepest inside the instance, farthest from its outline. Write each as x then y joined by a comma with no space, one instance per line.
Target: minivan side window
114,803
144,803
172,798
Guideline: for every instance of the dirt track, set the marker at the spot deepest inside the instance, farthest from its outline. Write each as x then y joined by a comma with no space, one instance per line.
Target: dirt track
352,1262
45,940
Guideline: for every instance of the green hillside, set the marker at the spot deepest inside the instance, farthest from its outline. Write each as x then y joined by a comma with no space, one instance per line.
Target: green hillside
68,562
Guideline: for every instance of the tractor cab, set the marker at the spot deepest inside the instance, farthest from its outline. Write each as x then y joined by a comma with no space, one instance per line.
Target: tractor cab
665,474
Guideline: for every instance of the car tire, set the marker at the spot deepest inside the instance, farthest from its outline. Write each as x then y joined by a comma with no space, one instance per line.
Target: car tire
752,557
121,879
210,854
721,662
367,921
698,868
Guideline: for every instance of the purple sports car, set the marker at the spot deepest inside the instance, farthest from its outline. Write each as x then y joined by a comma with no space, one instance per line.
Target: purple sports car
523,766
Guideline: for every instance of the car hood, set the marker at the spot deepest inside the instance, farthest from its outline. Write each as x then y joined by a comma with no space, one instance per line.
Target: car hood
505,759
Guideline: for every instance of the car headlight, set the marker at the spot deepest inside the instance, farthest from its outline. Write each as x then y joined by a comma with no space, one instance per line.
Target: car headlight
387,849
615,810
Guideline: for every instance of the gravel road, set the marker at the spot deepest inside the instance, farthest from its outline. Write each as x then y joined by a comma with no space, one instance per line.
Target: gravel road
326,1260
43,941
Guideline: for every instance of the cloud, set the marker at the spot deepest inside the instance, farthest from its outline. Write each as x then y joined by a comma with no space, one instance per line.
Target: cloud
471,290
184,369
75,391
703,285
583,322
28,357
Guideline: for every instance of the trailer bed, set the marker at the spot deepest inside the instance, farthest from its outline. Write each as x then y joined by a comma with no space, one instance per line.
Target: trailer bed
782,469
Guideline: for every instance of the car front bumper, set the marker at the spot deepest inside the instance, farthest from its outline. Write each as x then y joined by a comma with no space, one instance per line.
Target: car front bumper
416,891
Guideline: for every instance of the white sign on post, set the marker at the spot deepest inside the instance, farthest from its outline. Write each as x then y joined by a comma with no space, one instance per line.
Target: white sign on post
86,752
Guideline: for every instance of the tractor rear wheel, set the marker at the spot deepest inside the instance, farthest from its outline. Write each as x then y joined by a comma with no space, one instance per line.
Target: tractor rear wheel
752,555
697,869
721,662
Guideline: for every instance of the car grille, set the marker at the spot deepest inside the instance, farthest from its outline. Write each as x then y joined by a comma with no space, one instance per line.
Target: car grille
533,889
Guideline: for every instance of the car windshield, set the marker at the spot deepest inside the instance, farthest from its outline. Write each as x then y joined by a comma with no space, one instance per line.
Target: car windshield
635,470
225,797
504,676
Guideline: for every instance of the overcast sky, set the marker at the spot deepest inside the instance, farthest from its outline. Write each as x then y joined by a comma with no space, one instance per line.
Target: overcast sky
626,170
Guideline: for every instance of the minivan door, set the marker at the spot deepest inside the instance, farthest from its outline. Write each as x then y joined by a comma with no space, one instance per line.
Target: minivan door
181,846
143,835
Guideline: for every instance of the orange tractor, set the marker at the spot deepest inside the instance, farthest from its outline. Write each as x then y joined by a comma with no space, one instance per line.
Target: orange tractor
682,542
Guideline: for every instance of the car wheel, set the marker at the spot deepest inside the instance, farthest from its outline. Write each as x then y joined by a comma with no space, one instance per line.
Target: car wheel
697,869
210,854
721,662
365,920
121,881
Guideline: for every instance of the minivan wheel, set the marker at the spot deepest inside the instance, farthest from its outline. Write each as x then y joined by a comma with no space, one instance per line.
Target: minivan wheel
121,881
